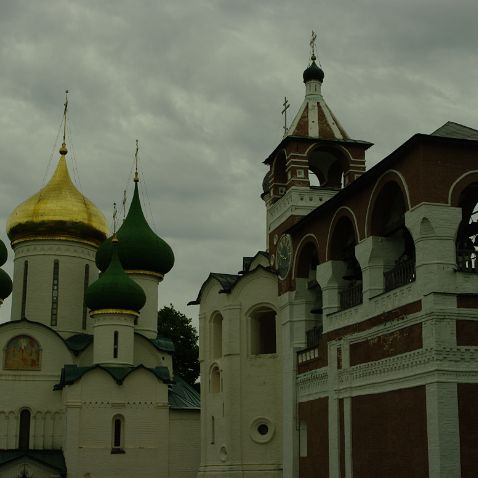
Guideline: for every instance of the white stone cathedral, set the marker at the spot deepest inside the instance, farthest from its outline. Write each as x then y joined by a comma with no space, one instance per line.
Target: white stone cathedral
87,386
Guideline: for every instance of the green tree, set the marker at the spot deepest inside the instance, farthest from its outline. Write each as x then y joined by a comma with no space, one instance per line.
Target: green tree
176,326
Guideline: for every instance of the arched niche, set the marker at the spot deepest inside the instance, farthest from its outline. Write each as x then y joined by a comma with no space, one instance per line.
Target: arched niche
328,165
388,221
24,429
216,335
22,352
215,379
467,233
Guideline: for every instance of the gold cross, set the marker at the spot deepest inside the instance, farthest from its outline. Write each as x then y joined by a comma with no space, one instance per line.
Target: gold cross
64,115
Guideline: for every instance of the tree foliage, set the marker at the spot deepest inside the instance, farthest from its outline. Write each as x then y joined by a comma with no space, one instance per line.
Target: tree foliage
177,327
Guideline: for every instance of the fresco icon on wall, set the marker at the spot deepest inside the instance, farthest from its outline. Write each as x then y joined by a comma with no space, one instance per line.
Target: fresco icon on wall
22,353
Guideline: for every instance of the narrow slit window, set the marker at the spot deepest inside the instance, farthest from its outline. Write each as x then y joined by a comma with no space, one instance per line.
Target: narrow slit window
54,293
115,344
24,289
85,287
118,434
213,431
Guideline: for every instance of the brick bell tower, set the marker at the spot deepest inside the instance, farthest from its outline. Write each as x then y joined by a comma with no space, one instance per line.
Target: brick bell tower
315,159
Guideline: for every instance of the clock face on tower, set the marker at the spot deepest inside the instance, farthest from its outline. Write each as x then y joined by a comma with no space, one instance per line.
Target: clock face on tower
284,255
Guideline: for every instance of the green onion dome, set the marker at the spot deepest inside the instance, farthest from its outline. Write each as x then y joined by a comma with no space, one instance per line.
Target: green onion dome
114,289
3,253
139,248
313,72
5,285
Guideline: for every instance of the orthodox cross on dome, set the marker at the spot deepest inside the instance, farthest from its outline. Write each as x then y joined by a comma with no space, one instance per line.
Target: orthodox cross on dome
64,116
313,45
136,177
286,106
115,212
124,204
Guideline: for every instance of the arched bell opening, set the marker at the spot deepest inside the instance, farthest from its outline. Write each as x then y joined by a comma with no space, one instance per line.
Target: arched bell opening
309,290
279,176
388,221
326,168
342,248
263,331
467,234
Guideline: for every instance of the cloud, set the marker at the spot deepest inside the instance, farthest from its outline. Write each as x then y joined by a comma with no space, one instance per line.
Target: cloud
201,84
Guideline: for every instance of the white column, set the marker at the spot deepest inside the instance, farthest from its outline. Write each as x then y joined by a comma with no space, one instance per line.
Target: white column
330,278
375,255
433,228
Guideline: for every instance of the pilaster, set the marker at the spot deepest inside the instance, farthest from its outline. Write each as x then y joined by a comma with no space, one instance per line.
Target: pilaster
231,369
443,430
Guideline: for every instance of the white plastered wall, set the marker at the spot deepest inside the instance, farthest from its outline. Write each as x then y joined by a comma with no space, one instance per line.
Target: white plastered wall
251,385
40,254
184,440
33,389
93,401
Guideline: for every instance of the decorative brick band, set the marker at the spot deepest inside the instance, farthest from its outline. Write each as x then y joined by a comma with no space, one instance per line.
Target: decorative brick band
392,315
394,343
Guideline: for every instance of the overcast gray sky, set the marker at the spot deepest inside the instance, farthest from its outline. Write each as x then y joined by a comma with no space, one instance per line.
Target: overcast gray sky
200,83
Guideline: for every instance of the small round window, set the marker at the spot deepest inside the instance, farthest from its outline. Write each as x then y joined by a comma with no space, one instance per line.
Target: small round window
261,430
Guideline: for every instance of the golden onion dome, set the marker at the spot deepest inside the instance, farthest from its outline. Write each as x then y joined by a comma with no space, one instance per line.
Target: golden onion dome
57,211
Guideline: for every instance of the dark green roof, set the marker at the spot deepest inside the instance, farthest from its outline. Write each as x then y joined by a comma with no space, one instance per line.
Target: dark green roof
163,343
78,342
3,253
72,373
115,289
182,395
140,248
5,284
51,458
